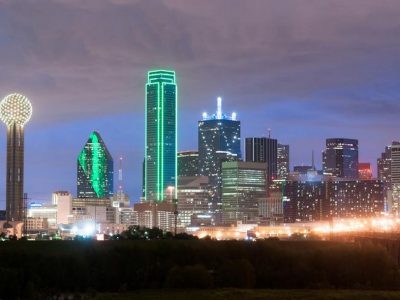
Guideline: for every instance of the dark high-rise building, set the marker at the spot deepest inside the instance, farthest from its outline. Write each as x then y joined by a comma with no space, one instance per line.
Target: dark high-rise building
218,140
283,167
243,188
303,169
161,135
15,112
95,170
188,163
264,150
340,158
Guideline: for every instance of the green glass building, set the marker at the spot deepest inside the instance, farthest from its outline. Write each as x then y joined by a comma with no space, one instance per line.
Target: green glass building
161,136
95,169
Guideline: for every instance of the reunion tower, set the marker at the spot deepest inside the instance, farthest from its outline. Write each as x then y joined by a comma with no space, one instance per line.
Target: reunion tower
15,112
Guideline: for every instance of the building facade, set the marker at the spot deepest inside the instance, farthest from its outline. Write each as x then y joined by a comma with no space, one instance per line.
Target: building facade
283,161
394,200
243,187
193,199
384,170
263,150
340,158
331,198
218,141
95,169
188,163
160,164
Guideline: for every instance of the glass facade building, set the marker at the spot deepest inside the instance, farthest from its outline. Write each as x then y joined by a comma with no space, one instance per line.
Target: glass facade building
188,163
283,168
243,187
95,169
264,150
218,141
160,164
340,158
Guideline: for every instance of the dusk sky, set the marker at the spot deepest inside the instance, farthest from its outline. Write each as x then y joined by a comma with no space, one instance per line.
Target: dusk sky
309,70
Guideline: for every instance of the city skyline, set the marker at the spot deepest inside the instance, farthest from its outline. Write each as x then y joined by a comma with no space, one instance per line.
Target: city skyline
351,102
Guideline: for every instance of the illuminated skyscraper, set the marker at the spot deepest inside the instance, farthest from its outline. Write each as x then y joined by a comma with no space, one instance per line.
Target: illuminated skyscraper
188,163
243,188
218,140
394,201
161,135
15,112
95,169
340,158
282,161
264,150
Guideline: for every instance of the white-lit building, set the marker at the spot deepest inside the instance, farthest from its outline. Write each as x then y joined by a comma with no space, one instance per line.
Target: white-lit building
63,201
42,211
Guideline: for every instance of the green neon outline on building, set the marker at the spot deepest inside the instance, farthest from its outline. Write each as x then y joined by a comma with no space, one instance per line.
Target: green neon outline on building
160,82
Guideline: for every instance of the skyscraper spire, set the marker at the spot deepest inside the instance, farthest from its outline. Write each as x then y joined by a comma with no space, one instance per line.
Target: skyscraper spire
219,108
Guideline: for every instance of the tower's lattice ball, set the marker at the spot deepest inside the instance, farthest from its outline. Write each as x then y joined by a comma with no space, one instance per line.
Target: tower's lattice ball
15,108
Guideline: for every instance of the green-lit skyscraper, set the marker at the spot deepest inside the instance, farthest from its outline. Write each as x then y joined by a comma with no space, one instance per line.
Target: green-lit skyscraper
161,136
95,169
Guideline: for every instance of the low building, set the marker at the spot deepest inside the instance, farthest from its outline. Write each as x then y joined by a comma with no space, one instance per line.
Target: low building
193,198
44,211
156,214
100,210
36,225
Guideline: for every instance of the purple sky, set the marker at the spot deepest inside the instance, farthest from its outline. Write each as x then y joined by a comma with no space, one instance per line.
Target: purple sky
306,69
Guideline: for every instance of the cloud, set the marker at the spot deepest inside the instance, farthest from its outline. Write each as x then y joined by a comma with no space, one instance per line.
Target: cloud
305,63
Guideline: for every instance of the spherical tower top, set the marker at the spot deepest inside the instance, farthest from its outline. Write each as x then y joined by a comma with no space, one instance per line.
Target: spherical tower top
15,109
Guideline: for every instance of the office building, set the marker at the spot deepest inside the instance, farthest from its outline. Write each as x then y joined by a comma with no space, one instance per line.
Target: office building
243,187
340,158
44,211
160,164
283,167
384,170
218,141
330,197
394,202
15,112
263,150
271,208
98,210
156,214
193,199
188,163
63,201
95,169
